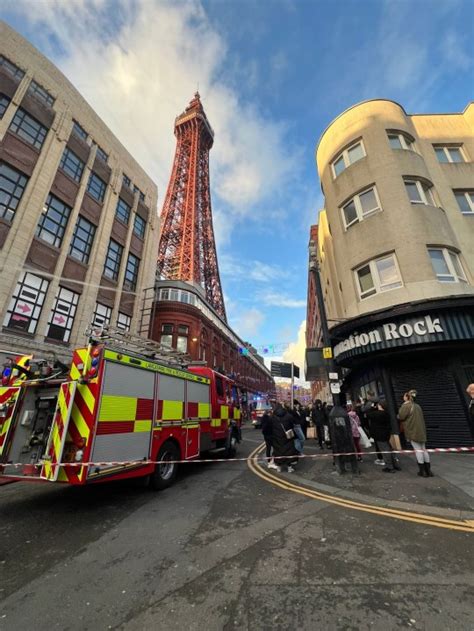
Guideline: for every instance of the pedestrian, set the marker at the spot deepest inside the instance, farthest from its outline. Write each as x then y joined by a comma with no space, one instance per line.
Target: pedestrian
297,425
381,429
355,424
341,439
319,417
267,436
470,392
411,415
283,435
367,405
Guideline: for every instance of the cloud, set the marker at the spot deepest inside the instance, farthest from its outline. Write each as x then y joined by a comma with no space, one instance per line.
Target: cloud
247,323
138,65
250,270
452,49
275,299
296,352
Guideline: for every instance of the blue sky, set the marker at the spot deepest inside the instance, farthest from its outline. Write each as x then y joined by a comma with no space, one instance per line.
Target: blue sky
272,75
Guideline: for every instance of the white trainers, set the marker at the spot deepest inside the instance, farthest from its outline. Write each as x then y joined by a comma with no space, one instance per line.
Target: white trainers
272,465
290,469
380,462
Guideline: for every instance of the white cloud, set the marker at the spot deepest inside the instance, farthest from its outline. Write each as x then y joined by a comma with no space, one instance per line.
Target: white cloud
247,323
253,270
452,47
275,299
138,64
296,353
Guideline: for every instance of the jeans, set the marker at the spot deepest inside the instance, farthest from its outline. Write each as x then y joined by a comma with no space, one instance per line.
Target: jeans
420,452
390,460
299,440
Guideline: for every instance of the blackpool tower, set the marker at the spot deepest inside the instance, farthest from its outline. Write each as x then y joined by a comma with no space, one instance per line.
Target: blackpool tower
187,249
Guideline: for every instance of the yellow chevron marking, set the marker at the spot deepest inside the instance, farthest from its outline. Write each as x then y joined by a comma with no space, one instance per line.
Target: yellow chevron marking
215,422
116,408
87,395
204,410
142,426
224,411
79,422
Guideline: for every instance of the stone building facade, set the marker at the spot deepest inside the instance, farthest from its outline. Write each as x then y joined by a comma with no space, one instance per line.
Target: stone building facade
396,253
78,220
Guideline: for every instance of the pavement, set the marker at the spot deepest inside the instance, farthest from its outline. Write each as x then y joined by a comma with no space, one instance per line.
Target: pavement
449,493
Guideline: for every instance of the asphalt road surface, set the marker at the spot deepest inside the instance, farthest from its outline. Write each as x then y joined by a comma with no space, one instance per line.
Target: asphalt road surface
222,549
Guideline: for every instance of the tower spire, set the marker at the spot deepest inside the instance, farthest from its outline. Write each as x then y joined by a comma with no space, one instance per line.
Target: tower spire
187,249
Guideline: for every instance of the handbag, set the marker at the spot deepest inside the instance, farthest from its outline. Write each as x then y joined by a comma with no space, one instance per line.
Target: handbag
311,432
289,433
364,440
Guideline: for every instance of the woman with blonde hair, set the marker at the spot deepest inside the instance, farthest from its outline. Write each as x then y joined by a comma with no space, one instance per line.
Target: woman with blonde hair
413,420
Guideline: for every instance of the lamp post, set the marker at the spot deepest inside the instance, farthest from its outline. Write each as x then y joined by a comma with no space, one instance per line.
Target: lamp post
315,270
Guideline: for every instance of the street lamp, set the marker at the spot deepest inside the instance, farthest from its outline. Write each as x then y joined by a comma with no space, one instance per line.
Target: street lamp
316,271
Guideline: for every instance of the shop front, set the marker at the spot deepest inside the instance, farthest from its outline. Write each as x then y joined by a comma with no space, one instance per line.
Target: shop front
427,346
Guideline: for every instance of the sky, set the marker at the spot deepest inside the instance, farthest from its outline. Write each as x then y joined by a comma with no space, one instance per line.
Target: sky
272,75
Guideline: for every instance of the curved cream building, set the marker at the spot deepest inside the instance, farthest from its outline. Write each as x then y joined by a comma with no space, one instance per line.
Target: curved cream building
396,250
78,220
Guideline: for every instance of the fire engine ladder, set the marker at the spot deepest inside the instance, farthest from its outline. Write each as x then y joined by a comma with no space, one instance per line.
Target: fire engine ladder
125,341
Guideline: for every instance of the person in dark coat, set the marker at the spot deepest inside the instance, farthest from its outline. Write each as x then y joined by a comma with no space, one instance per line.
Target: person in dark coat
341,439
284,450
318,417
267,436
381,429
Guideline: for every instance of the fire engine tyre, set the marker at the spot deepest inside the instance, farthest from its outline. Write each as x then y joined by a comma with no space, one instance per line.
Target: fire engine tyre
165,473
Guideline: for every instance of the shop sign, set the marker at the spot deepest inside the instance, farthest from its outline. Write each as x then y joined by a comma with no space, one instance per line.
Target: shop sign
403,332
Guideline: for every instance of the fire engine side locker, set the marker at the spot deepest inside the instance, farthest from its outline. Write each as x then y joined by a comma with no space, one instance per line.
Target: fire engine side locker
58,432
124,420
8,395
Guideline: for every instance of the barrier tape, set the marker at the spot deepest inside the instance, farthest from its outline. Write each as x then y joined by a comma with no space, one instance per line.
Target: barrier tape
204,460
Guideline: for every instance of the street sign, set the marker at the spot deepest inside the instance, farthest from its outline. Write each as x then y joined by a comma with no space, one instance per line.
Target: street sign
333,375
327,352
282,369
335,387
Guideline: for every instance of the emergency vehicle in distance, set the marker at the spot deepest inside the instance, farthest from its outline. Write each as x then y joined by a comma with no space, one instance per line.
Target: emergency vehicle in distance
124,414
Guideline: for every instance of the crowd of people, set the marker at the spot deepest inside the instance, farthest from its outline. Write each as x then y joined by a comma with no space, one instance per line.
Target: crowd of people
346,430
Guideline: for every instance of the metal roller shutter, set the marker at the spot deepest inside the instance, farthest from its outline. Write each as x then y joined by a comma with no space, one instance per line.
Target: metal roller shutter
445,416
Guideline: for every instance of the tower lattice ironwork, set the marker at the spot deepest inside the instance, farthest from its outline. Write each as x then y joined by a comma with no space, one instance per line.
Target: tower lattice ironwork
187,249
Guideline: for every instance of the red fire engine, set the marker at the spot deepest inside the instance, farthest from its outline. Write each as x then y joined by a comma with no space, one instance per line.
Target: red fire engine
118,413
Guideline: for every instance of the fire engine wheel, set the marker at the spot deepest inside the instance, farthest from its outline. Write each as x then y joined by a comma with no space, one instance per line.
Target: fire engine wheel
165,473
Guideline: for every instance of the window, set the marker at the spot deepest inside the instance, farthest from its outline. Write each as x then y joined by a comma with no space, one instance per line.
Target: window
140,194
131,273
28,128
101,154
12,70
25,306
101,315
347,157
166,334
465,200
126,181
164,294
113,260
361,206
82,239
96,187
420,192
398,140
78,131
62,315
174,295
4,103
72,165
446,265
182,340
184,297
449,153
219,383
378,275
40,93
139,226
53,221
122,211
12,186
124,321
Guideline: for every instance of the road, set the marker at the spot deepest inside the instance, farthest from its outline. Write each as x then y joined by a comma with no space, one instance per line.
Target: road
222,549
